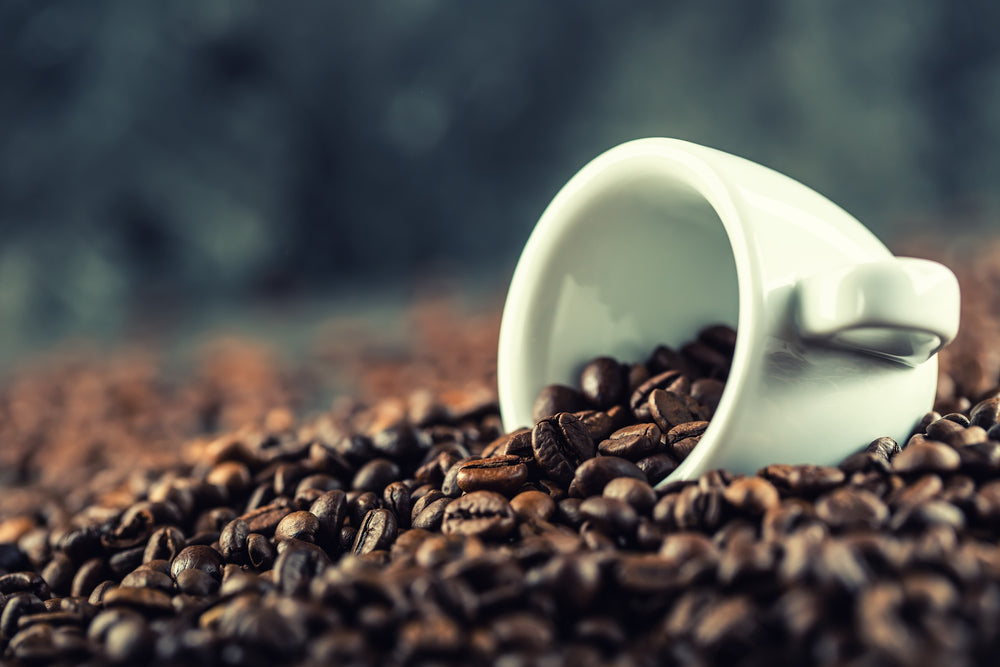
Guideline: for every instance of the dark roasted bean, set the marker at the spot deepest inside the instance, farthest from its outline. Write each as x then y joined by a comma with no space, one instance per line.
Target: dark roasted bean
592,475
803,480
376,475
986,414
560,444
533,506
632,442
481,514
611,516
299,526
852,508
430,515
199,557
636,492
503,474
657,467
164,543
396,498
556,398
233,541
260,552
669,409
673,381
751,495
708,392
377,531
926,456
604,382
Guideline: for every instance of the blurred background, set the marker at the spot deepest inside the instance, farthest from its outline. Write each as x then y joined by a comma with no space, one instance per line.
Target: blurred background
165,167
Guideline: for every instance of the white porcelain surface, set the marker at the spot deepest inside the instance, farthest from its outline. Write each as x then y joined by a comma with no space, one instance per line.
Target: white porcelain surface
658,238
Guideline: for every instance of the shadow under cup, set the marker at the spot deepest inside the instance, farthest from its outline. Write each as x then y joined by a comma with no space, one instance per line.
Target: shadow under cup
631,258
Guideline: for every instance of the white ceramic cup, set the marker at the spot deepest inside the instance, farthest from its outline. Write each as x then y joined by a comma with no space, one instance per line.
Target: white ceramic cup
658,238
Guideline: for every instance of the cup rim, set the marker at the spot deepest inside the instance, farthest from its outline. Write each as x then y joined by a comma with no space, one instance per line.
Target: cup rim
679,161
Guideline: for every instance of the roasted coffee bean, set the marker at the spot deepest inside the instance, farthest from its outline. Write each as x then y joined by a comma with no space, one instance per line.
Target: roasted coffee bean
375,475
59,573
657,467
196,582
145,578
198,557
986,414
145,600
299,526
360,505
632,442
942,429
885,447
260,552
377,531
708,392
88,576
484,514
751,495
430,515
560,444
926,456
852,508
669,408
503,474
533,506
592,475
803,480
396,498
233,541
556,398
164,543
635,492
610,515
707,359
265,519
604,382
672,381
331,510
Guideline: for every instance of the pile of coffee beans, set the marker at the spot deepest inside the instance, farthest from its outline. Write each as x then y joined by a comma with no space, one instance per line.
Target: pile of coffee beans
652,413
416,532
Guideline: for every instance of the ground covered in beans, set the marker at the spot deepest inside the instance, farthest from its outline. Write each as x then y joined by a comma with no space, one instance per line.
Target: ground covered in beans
411,530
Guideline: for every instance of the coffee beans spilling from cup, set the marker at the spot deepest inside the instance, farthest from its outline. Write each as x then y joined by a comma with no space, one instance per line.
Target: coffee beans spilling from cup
418,533
652,413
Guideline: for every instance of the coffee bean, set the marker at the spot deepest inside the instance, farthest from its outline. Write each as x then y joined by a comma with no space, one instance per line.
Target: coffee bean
199,557
986,414
483,514
610,515
556,398
299,526
708,392
396,498
926,456
669,409
604,382
657,467
196,582
804,480
632,442
375,475
635,492
145,578
593,474
431,515
233,541
852,508
672,381
751,495
330,509
377,531
360,505
885,447
260,552
503,474
561,444
707,359
533,506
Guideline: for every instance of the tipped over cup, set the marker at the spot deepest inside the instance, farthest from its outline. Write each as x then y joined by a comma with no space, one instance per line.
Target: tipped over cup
658,238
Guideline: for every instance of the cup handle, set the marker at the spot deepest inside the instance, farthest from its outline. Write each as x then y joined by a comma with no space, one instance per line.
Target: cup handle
904,309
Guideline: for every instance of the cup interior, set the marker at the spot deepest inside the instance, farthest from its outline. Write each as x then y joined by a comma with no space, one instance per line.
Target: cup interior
632,258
